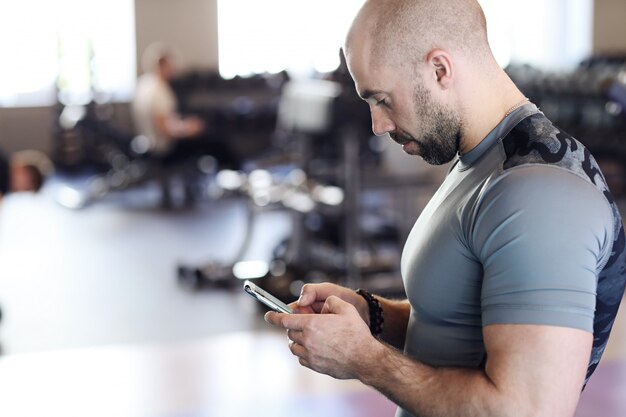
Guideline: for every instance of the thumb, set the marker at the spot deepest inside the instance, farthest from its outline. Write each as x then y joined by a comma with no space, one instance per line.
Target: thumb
335,305
307,297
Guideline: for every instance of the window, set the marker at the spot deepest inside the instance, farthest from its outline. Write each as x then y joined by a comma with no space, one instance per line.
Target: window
273,35
77,46
549,34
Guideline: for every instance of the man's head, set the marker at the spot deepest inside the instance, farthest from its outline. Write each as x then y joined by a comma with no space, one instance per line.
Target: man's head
28,171
405,57
158,59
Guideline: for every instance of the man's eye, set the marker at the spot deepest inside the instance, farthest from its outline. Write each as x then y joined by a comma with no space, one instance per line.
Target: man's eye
373,101
382,102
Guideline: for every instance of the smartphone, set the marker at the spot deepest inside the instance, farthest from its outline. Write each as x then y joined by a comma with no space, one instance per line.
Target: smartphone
266,298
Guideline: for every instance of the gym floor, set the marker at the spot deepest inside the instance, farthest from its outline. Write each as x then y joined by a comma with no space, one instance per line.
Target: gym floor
96,324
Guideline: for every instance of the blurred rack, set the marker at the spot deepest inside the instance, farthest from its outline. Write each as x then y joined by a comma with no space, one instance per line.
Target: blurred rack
589,103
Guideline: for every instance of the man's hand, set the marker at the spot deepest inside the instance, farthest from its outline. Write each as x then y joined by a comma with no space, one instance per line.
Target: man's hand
313,298
194,126
176,127
332,342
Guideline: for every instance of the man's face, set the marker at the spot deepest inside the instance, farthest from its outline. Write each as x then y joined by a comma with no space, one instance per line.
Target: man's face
403,106
437,130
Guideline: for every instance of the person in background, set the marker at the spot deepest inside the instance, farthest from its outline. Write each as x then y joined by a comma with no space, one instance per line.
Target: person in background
514,271
23,171
181,145
154,106
171,136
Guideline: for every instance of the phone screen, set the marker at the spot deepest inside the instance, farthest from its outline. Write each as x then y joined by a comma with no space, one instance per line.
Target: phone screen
266,298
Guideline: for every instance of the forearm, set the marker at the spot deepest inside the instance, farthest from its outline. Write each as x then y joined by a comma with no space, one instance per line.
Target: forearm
175,127
436,392
396,315
531,370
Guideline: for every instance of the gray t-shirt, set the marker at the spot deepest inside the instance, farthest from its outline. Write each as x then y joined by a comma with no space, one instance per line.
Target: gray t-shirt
523,230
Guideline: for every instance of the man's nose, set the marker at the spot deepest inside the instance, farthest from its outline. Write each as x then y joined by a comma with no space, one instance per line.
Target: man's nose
381,123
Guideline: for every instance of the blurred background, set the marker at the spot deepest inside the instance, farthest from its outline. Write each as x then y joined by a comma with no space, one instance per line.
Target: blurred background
179,147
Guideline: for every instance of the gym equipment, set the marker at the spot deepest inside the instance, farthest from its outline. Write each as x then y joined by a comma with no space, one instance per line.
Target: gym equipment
240,114
588,103
120,160
263,190
326,243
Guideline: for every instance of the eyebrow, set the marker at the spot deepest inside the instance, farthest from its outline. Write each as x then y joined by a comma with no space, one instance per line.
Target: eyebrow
369,93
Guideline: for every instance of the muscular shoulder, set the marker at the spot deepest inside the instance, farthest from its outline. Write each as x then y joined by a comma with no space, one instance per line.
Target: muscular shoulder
542,234
535,140
552,166
544,204
548,235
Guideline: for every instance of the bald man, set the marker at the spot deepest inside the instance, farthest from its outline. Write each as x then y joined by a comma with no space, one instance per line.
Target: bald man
514,271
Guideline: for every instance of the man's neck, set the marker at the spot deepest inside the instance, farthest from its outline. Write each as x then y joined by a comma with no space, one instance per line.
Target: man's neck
486,107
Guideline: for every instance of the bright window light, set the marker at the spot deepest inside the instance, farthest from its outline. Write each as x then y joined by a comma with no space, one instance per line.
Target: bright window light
303,36
273,35
548,34
77,46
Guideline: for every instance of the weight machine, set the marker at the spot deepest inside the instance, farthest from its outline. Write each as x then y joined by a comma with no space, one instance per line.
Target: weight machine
323,200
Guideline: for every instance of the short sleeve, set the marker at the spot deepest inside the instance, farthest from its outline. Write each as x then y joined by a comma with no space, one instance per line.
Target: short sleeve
542,235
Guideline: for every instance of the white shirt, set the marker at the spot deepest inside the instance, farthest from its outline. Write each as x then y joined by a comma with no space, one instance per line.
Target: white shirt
153,98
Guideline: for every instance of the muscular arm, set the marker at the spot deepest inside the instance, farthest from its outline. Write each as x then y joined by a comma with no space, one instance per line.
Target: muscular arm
531,370
540,260
396,315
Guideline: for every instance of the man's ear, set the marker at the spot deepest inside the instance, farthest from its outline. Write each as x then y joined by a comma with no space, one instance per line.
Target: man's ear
441,64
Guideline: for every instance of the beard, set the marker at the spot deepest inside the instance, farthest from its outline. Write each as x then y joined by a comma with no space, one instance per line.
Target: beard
441,139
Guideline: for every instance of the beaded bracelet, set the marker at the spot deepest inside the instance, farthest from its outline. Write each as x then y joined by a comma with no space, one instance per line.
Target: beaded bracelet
376,312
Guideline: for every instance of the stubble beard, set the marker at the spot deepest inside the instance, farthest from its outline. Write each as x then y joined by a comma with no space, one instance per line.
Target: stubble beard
442,138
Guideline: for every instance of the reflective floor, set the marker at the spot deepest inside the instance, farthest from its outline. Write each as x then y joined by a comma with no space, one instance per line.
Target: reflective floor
96,324
232,375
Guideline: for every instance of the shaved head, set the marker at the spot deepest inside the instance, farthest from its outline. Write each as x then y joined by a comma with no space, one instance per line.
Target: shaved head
402,31
428,74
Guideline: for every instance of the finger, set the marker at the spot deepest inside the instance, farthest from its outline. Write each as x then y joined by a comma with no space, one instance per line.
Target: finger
335,305
297,350
316,292
301,310
287,321
317,306
304,363
296,336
